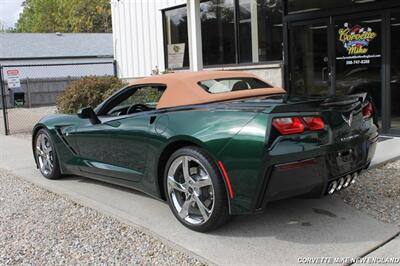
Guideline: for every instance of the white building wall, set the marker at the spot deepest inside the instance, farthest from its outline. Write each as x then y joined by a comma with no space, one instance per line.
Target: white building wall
138,35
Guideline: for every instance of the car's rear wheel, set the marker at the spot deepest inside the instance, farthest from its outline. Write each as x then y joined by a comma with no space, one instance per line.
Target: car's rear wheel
46,155
195,190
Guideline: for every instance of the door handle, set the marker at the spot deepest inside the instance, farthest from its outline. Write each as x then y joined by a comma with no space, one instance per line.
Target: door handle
324,69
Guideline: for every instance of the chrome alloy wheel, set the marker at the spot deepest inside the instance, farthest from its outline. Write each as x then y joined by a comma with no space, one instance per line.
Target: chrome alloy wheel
44,154
190,190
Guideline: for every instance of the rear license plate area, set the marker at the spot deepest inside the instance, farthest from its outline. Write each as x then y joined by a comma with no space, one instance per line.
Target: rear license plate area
345,161
344,157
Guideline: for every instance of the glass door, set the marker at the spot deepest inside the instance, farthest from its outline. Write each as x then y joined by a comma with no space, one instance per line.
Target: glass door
395,72
358,59
348,54
310,61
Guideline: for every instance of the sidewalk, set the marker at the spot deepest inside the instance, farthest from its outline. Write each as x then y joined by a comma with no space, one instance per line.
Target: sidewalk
386,151
287,231
390,251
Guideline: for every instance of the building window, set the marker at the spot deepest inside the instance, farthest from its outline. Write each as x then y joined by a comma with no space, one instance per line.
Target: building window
176,38
218,32
247,17
270,30
233,31
241,31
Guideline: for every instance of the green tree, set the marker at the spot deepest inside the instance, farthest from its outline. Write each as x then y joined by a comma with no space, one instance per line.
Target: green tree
65,16
90,15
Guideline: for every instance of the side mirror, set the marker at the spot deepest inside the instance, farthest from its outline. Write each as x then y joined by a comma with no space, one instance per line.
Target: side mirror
88,113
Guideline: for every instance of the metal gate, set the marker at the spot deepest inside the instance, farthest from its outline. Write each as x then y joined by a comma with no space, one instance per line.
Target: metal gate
29,92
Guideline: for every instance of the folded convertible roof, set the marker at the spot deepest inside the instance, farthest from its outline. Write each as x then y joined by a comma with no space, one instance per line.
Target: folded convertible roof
183,88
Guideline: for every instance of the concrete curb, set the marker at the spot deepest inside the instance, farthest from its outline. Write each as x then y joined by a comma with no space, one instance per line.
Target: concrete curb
386,151
377,165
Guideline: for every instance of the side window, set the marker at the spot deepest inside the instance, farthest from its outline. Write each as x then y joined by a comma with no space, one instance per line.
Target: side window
136,100
146,95
232,84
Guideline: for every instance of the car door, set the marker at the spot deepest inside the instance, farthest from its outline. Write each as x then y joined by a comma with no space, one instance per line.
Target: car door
117,146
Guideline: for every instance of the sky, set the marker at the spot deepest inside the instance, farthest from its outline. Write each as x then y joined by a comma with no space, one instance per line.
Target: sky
9,11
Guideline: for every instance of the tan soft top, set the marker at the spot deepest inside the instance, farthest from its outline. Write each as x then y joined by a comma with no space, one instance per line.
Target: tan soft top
182,88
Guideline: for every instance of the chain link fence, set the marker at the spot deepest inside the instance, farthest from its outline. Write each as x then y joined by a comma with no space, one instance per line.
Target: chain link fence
29,92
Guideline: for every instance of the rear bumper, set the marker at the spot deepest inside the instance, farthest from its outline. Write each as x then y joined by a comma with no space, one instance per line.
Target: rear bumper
311,175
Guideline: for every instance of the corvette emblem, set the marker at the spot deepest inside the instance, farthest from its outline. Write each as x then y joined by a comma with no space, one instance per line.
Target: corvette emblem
349,119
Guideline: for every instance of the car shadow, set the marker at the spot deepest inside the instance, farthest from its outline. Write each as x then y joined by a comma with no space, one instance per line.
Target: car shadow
307,221
310,221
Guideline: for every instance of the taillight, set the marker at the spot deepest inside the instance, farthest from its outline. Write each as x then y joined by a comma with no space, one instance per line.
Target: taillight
314,123
368,111
288,125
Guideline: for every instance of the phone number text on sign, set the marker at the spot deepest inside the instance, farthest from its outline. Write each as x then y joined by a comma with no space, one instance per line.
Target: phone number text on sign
358,62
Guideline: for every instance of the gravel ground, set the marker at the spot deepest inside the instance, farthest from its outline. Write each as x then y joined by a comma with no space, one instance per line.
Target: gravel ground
377,193
42,228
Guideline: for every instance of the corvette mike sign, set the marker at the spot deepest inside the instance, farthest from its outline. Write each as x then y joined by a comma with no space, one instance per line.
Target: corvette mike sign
356,44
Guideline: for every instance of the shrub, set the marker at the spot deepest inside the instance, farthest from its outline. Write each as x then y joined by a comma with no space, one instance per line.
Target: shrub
88,91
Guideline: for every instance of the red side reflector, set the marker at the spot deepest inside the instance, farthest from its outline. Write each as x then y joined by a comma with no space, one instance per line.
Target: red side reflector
314,123
228,182
367,111
295,165
288,125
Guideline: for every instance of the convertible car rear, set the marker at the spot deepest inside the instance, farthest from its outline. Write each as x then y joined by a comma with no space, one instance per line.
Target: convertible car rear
212,144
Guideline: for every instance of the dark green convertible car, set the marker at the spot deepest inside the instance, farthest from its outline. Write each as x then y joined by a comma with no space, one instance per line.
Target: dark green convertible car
212,144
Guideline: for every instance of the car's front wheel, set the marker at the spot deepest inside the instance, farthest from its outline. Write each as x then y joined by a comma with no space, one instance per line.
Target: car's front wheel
46,155
195,190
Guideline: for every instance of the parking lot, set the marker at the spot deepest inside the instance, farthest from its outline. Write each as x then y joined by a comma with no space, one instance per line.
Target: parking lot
287,231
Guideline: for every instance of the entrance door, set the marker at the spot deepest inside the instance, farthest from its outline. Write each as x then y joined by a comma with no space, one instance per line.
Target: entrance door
358,59
310,58
337,56
394,84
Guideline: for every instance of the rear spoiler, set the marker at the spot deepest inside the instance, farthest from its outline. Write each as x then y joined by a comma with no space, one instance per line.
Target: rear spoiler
312,104
345,100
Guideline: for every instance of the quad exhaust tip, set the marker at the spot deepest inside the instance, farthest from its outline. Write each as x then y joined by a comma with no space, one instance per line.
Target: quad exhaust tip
347,181
332,187
342,183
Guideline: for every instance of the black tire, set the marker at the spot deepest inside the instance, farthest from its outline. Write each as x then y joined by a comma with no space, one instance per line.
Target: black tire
55,172
220,213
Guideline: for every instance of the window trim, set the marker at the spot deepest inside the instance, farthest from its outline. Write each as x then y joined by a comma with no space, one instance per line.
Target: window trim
257,65
164,30
172,7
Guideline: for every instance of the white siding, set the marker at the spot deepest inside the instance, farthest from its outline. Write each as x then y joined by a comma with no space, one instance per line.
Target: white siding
138,35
